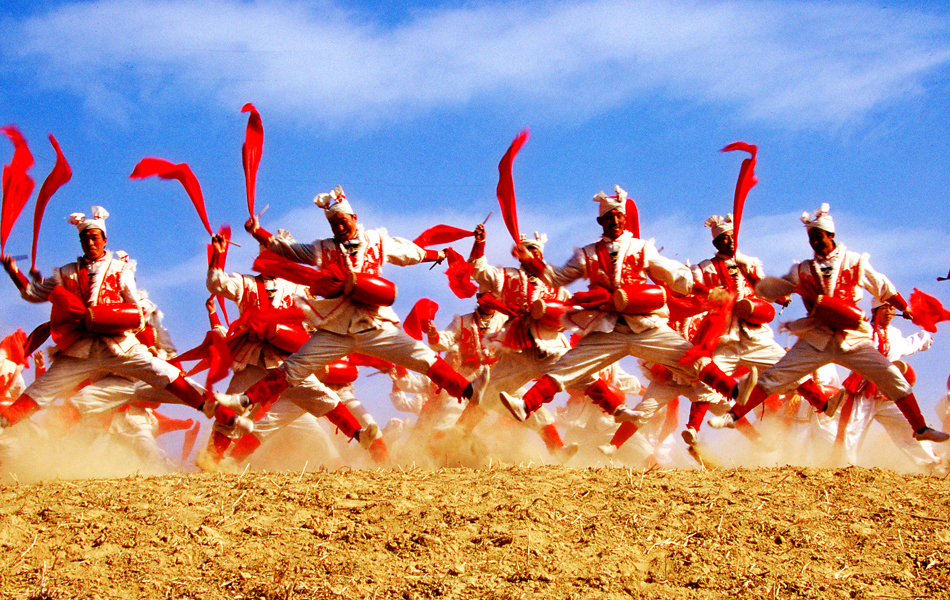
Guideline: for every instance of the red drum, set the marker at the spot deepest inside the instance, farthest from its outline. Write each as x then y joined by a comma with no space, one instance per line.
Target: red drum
340,373
288,338
837,313
369,289
754,310
639,298
113,318
548,312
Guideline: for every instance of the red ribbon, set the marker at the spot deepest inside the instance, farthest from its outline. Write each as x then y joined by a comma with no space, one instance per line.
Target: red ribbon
17,185
422,312
148,167
60,174
633,218
506,187
460,275
327,282
191,436
225,232
364,360
441,234
14,345
745,183
927,311
251,152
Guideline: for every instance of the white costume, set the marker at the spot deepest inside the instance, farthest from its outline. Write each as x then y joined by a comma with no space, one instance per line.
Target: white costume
860,410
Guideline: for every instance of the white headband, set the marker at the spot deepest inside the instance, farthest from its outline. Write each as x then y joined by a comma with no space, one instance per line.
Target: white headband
97,221
821,219
538,242
334,202
609,203
719,224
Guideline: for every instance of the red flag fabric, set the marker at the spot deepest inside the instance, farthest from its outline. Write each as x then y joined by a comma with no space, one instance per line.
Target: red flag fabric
745,183
191,436
441,234
168,424
17,185
364,360
460,275
36,338
927,311
213,354
219,361
422,312
148,167
633,218
251,152
60,174
506,187
14,346
711,328
199,352
490,301
327,282
225,232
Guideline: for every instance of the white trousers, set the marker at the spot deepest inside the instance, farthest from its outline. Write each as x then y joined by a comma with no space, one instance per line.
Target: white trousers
865,360
388,343
67,372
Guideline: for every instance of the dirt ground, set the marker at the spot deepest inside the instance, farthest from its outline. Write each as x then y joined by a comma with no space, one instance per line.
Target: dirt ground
498,532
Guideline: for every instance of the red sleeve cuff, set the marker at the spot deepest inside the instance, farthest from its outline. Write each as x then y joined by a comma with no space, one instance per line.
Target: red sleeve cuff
431,256
262,235
898,302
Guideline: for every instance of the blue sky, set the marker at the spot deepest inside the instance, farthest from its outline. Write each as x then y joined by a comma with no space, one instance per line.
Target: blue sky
410,106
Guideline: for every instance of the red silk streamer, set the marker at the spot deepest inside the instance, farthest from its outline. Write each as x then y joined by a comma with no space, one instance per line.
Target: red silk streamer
460,275
327,283
219,361
225,232
682,307
745,183
711,328
506,187
60,174
259,320
199,352
927,311
490,301
148,167
441,234
168,424
251,152
633,218
14,345
191,436
36,338
596,297
422,312
17,185
364,360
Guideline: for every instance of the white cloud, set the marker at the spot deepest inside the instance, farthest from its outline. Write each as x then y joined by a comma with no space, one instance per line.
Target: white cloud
796,64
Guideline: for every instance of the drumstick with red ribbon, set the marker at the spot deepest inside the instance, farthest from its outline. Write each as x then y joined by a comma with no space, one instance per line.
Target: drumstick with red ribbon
251,153
148,167
17,185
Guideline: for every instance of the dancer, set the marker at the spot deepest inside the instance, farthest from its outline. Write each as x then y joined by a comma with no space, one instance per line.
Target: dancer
354,316
626,316
836,330
97,311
